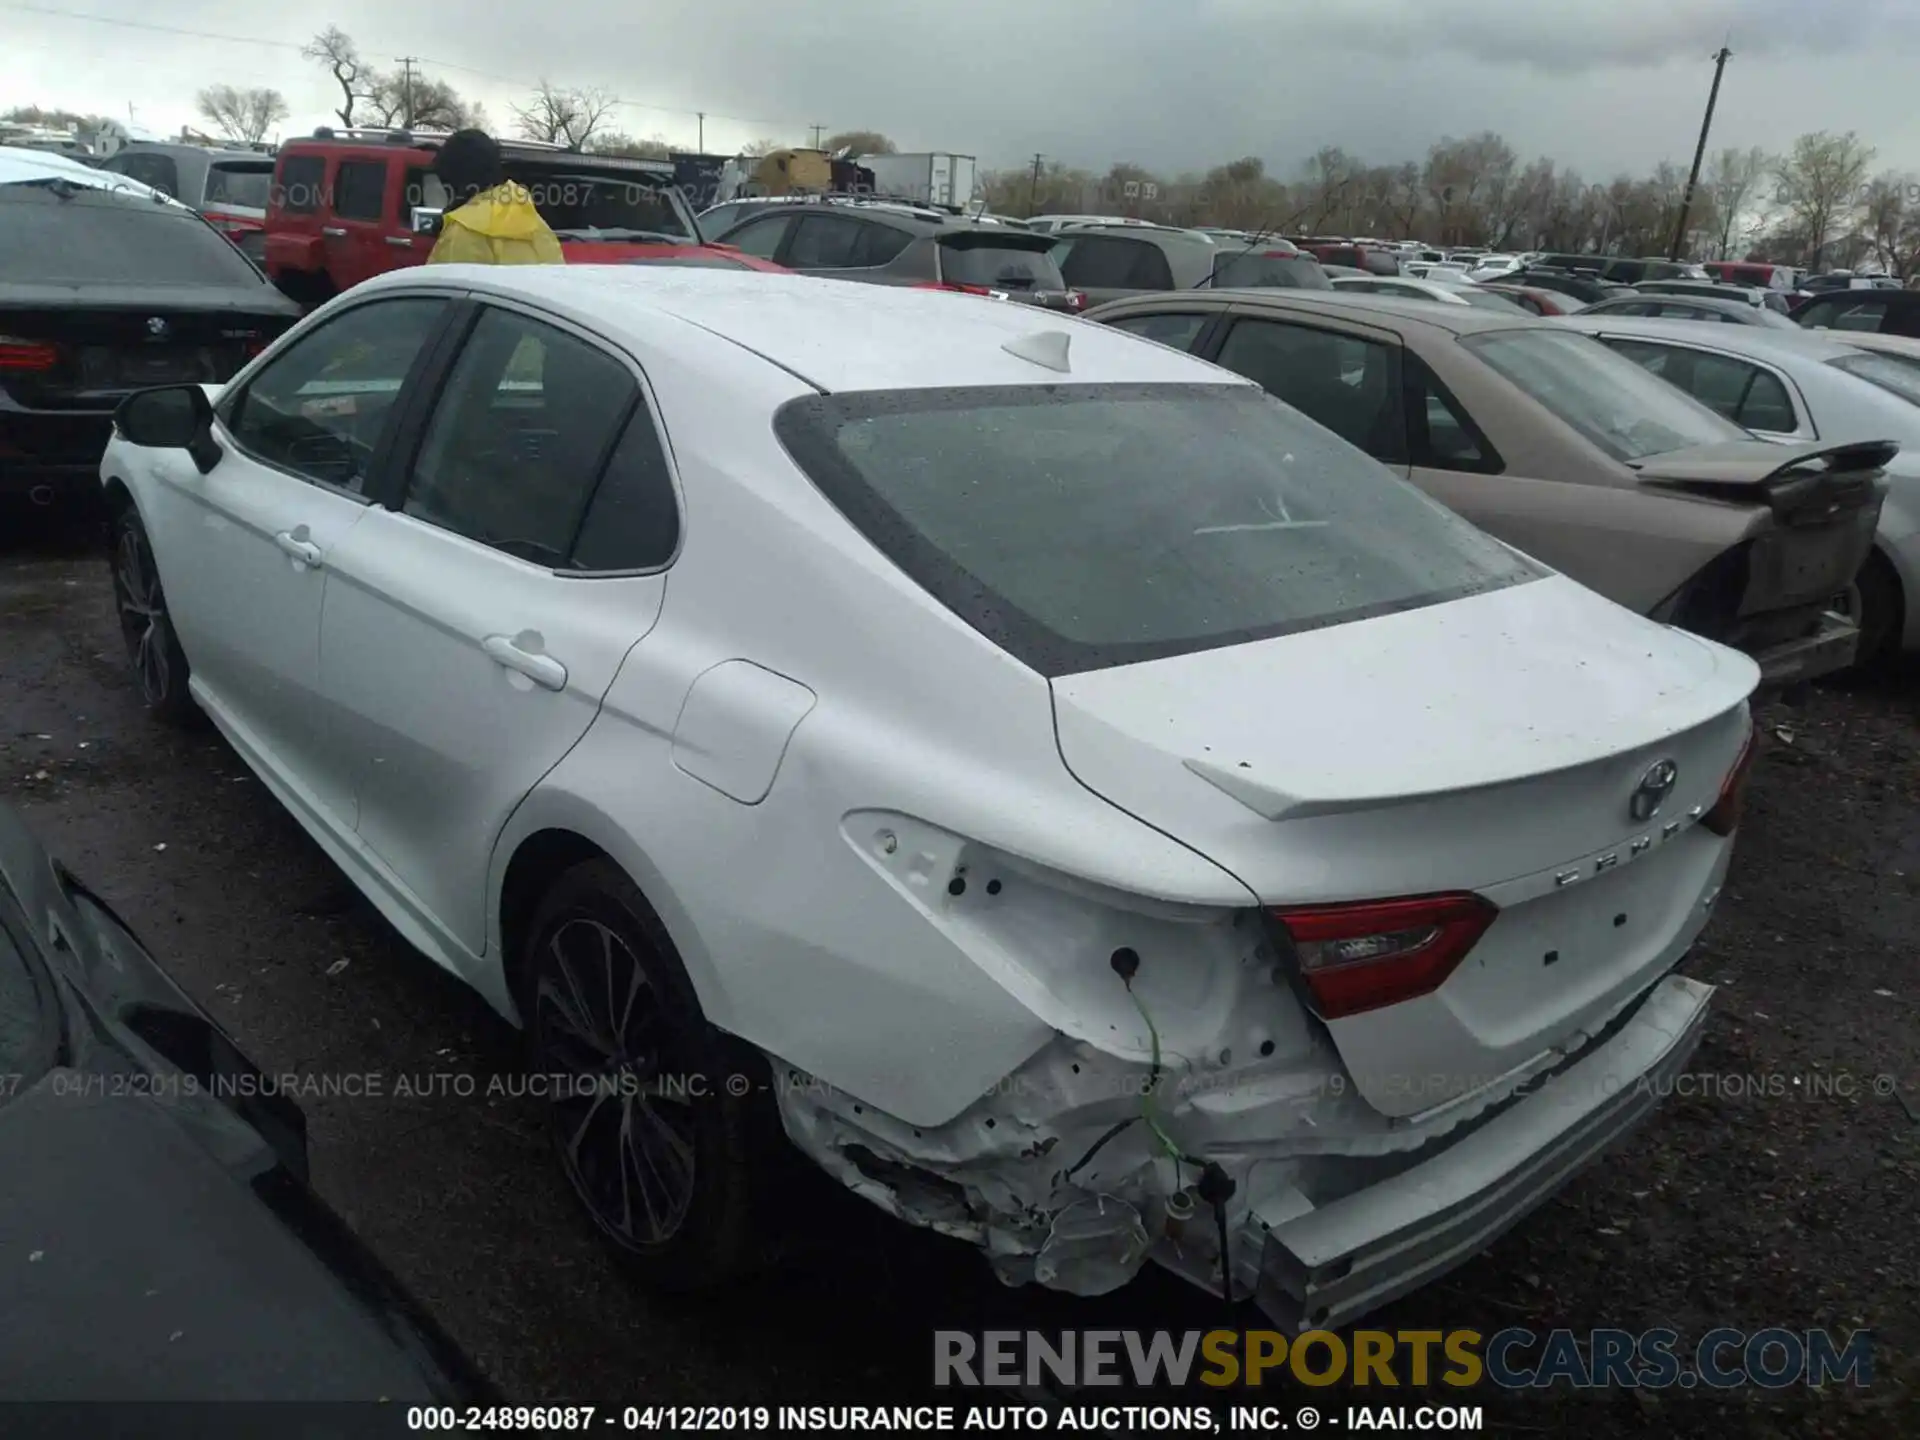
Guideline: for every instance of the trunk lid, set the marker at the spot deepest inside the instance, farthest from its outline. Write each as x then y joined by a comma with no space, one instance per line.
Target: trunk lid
120,339
1825,500
1492,745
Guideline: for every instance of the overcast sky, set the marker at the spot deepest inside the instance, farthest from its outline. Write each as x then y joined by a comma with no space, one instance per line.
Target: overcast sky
1089,82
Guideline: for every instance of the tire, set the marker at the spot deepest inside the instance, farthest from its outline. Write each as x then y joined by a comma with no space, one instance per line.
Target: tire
693,1158
1875,603
159,664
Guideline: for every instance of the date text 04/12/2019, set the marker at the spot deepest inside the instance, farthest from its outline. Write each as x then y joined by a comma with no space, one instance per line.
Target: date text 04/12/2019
830,1419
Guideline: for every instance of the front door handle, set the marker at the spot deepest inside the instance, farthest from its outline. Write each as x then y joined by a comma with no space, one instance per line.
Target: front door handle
296,544
400,242
334,232
523,653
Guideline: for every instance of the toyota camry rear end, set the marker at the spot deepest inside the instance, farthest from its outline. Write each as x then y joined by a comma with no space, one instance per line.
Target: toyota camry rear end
1470,818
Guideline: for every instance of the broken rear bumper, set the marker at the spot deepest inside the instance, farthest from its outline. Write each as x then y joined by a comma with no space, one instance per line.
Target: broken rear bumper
1349,1257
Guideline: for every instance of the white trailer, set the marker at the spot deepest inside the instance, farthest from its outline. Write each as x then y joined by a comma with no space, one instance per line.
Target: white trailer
936,177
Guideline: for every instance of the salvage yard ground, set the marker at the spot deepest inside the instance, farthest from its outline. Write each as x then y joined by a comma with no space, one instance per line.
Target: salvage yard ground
1764,1198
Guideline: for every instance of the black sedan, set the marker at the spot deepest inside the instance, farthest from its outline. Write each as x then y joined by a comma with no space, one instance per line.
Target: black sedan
104,292
158,1238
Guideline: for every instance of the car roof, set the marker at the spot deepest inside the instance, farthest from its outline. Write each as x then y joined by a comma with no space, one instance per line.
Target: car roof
1343,303
1716,303
1761,342
209,153
1887,294
834,335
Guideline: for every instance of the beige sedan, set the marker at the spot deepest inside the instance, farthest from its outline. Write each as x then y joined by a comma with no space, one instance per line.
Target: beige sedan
1566,451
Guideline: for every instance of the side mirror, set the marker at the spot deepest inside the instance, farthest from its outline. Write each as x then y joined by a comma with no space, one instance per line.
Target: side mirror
172,417
426,220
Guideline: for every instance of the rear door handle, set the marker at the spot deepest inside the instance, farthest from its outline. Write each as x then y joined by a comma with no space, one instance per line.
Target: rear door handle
296,544
337,232
403,242
515,652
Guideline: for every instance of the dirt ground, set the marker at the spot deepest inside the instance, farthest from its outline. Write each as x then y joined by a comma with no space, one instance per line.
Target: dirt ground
1767,1198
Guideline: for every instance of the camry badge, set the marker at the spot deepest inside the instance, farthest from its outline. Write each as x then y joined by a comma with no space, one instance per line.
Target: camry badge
157,328
1652,791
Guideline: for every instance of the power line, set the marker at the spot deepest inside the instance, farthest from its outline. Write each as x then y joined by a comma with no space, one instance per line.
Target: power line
192,34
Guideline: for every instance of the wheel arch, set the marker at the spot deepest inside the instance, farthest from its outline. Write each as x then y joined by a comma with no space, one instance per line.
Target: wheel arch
550,834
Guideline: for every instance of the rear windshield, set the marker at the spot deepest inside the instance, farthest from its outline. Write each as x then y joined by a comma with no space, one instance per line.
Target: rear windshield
1626,411
1086,526
240,183
611,207
1250,268
1899,374
998,266
98,238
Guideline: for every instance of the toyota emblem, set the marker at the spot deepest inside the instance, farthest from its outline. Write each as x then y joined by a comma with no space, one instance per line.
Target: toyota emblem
157,327
1652,791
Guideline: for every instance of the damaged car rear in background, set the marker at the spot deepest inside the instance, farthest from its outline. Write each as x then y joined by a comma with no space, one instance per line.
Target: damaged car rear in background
1108,817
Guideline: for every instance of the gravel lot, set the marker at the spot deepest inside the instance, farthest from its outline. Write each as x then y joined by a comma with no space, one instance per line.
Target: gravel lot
1772,1202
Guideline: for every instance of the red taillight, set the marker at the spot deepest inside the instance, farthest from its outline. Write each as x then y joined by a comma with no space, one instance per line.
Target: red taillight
1075,300
1725,814
26,356
1362,956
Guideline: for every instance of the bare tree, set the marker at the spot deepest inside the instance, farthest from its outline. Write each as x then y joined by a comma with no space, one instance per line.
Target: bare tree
244,115
1731,178
421,101
860,142
763,146
1819,184
566,117
1890,222
357,80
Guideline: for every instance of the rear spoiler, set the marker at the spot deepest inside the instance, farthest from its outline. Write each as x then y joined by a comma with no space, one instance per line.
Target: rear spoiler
1793,479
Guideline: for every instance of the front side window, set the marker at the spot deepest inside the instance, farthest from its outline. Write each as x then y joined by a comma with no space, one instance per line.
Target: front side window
1347,384
1607,398
522,431
321,407
360,190
1086,526
1844,314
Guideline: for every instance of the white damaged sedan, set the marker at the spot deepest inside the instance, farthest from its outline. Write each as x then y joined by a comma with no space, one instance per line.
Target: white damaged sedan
1086,807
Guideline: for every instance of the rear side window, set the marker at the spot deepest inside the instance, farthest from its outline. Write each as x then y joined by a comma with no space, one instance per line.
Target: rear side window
241,184
302,183
1086,526
826,242
998,267
1179,329
1347,384
760,237
360,190
633,521
1844,314
1112,262
528,420
101,237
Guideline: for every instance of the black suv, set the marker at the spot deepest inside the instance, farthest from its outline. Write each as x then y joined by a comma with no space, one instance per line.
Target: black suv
899,244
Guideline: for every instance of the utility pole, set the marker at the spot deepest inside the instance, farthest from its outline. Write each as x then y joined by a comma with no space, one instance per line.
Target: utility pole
1033,185
406,91
1699,153
702,146
816,135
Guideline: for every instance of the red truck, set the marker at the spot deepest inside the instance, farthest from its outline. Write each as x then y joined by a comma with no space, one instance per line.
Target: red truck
350,204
